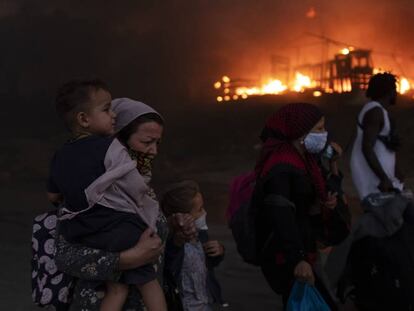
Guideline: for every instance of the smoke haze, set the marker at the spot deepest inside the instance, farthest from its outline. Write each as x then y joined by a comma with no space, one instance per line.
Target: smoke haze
170,52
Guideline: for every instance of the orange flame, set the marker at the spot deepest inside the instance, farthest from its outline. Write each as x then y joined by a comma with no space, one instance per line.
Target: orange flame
404,85
302,82
347,50
271,87
317,94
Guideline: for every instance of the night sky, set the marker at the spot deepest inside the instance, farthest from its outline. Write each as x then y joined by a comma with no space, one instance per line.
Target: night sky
170,52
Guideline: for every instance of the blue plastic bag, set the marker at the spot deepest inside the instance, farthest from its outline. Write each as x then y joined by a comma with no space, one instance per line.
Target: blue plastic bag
305,297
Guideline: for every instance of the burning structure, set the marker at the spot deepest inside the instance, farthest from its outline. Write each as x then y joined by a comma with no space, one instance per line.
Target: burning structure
349,70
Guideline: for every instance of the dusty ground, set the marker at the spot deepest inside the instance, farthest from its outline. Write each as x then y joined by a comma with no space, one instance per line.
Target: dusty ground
210,144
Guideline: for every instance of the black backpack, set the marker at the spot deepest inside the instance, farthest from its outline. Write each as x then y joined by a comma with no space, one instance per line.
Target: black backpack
246,196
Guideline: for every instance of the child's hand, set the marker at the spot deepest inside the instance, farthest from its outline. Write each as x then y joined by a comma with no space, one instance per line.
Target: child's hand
213,248
183,228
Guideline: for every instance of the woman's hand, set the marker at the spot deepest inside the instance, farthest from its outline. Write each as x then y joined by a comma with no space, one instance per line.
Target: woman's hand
213,248
183,228
145,251
303,272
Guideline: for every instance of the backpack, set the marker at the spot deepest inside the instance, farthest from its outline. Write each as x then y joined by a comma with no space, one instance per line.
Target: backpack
51,288
241,216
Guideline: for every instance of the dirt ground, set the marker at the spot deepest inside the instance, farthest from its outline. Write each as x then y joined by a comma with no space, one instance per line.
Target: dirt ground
210,144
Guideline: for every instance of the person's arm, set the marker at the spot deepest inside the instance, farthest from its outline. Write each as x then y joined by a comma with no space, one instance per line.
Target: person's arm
95,264
277,192
182,230
372,124
281,213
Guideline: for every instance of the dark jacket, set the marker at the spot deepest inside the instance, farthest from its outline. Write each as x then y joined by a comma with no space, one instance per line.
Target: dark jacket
174,257
289,229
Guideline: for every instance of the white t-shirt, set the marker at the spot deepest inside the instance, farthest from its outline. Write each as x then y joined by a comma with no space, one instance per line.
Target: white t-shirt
365,180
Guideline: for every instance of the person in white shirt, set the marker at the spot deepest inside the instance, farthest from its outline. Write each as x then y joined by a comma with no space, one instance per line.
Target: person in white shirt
373,159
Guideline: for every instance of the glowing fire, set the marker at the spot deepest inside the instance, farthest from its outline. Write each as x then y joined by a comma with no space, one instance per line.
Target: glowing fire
346,51
225,79
270,87
404,85
317,93
273,87
302,82
234,90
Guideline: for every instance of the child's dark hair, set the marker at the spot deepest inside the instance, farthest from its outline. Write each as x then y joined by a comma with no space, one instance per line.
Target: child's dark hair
381,85
73,97
179,196
131,128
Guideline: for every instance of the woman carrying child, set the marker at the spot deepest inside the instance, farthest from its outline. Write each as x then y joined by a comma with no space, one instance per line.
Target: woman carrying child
86,108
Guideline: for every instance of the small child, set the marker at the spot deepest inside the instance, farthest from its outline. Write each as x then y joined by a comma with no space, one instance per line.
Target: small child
339,225
192,266
105,205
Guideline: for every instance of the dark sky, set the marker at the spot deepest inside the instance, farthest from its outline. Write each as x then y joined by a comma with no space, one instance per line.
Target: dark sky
165,51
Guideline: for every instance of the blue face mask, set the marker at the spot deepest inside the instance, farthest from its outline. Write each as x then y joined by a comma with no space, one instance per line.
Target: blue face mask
315,142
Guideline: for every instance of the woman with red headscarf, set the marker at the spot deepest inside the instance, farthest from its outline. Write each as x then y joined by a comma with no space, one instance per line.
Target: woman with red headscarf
293,202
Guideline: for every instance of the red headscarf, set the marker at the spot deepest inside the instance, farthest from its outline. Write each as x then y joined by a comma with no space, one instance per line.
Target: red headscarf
282,128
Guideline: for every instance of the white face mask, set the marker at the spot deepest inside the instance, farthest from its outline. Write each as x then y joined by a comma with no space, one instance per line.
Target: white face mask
201,222
315,142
